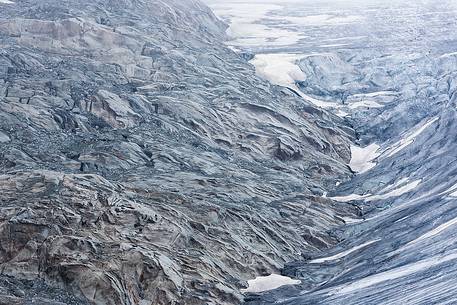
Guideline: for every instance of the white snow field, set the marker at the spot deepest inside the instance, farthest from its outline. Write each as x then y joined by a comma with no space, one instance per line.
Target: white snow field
270,282
279,69
362,157
282,69
342,254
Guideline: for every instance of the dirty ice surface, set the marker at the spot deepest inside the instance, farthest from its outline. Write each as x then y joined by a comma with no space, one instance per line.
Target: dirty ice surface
388,69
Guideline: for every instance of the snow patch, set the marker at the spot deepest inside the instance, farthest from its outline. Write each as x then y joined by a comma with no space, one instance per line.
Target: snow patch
361,158
6,2
409,139
448,55
246,29
342,254
384,194
270,282
234,49
319,103
342,113
350,197
395,273
281,69
435,231
402,181
396,192
334,45
453,191
4,137
366,104
375,94
353,220
320,20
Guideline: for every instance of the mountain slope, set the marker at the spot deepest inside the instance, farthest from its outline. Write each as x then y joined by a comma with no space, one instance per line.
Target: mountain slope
143,162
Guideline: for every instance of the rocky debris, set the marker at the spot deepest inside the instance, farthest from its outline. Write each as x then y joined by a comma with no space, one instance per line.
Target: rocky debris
110,108
146,163
27,292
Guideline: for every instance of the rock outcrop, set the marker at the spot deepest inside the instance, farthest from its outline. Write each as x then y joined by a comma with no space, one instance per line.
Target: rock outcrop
143,162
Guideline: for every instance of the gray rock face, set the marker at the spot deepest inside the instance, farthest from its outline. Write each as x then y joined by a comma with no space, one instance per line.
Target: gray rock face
143,162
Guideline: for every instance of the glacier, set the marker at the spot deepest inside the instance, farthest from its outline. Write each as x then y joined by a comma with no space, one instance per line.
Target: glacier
390,68
160,152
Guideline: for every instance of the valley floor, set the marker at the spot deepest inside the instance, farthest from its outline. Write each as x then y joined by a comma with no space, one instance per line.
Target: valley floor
389,70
